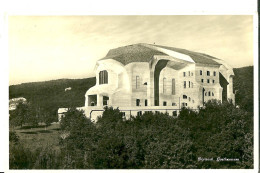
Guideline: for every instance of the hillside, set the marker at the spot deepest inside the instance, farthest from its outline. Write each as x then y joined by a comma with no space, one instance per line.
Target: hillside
51,95
244,87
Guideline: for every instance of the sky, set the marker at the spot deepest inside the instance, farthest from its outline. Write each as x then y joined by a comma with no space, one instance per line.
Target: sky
54,47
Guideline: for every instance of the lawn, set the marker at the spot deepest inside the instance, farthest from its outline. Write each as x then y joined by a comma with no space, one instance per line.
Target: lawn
33,138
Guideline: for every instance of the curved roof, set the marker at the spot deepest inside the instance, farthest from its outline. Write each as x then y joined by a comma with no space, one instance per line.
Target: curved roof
144,52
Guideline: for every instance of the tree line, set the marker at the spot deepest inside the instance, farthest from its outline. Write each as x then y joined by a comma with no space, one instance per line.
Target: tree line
150,140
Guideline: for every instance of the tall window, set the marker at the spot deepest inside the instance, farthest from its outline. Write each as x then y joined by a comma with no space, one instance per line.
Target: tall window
184,74
137,82
208,80
209,93
164,85
103,77
213,81
137,102
201,72
189,73
145,102
202,80
184,84
208,73
214,73
173,86
189,84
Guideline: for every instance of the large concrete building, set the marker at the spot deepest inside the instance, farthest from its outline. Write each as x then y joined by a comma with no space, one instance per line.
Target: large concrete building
152,77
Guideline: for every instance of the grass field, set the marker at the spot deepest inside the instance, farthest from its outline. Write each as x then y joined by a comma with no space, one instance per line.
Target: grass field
33,138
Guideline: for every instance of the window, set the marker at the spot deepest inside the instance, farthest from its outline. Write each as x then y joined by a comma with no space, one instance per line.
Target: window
145,102
164,103
202,80
184,104
212,94
164,85
214,73
189,84
137,102
207,80
137,82
174,104
103,77
105,100
189,99
213,81
205,93
189,73
193,101
208,73
201,72
184,84
184,97
173,86
184,74
209,93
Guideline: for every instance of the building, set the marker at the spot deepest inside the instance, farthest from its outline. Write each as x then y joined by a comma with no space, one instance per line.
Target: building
15,101
152,77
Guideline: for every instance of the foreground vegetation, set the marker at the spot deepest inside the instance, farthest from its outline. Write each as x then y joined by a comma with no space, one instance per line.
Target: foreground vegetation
146,141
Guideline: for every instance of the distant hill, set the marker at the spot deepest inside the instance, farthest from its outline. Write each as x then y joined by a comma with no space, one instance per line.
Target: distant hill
244,84
51,95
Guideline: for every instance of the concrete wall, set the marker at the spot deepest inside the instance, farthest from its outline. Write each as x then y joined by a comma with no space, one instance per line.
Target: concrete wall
213,86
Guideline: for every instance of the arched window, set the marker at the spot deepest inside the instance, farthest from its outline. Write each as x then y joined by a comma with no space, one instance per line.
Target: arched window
164,85
173,86
209,93
103,77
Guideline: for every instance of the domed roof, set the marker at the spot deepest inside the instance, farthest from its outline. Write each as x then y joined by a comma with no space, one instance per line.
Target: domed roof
144,52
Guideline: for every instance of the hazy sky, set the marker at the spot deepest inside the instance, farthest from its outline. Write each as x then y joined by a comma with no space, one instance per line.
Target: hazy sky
48,47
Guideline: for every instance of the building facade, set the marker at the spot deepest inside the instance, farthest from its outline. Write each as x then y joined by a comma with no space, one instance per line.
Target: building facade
149,77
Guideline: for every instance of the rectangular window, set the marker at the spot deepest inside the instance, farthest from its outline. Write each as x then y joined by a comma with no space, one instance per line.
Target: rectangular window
145,102
201,72
213,81
173,86
189,84
202,80
137,81
164,103
189,73
184,84
184,74
214,73
137,102
208,80
208,73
